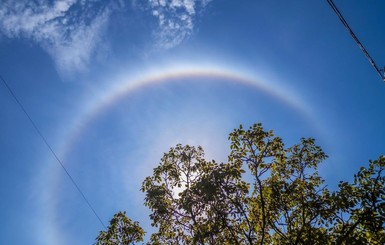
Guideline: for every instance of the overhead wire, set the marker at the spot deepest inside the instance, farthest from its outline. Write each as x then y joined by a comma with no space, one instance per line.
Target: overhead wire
360,45
52,151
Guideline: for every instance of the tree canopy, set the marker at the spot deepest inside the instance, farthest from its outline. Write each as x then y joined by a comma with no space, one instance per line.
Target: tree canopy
266,193
122,230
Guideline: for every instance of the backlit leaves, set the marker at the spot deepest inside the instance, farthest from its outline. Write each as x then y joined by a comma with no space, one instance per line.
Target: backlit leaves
266,193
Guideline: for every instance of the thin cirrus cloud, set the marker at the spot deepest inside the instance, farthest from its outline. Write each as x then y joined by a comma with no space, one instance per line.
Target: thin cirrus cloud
176,19
70,31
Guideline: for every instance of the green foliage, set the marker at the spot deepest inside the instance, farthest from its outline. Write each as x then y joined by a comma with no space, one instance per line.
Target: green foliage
364,201
266,193
122,231
192,200
286,199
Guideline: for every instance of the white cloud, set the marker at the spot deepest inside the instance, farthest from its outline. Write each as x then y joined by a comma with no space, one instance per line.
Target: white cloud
68,30
175,19
71,30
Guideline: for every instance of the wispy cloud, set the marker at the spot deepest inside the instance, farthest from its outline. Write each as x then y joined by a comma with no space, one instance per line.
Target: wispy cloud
71,30
176,19
68,30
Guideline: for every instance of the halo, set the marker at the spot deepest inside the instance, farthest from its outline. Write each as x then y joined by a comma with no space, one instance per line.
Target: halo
128,86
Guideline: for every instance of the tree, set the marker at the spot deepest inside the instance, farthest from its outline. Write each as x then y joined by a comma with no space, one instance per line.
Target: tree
266,193
364,202
121,231
193,200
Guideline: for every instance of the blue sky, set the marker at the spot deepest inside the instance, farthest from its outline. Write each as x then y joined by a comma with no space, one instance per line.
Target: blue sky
114,84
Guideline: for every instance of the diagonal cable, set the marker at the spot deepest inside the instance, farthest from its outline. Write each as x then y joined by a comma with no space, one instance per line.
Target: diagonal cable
51,150
366,53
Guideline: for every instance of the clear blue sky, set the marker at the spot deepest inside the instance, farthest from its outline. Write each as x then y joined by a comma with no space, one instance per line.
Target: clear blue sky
114,84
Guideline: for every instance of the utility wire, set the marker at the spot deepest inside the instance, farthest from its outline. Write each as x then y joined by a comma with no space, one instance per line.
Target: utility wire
366,53
51,150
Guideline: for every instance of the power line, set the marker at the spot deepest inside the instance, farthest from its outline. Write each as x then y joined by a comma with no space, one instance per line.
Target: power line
51,150
366,53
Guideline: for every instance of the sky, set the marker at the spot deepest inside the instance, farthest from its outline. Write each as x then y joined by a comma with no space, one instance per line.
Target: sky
112,85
